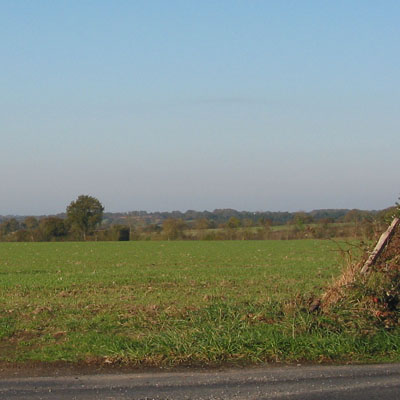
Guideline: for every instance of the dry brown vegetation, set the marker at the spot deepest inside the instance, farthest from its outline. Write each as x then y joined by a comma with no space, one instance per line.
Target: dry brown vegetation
375,295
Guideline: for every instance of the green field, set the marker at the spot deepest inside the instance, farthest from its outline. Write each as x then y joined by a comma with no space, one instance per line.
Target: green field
172,303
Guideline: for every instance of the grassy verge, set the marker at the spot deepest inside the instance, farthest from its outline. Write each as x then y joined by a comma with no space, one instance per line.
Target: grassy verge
172,303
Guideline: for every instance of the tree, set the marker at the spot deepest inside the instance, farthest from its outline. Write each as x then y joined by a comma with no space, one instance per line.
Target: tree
247,222
31,223
233,223
173,228
84,214
52,228
301,218
354,216
9,226
202,223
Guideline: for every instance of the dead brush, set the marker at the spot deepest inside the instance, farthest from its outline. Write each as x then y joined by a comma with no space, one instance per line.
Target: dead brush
350,274
371,293
338,288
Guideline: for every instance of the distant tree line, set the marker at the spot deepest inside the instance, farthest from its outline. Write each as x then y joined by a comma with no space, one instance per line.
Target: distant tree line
220,216
354,224
85,219
82,217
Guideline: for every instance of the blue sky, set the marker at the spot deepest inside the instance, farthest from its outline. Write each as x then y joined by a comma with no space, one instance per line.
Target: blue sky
176,105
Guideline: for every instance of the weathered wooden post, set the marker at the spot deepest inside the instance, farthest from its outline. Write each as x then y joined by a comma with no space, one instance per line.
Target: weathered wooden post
383,240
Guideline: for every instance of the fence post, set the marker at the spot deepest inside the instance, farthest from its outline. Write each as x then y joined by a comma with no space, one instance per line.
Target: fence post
379,246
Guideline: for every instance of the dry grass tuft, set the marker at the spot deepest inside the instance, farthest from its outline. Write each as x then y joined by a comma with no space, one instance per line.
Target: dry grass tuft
339,287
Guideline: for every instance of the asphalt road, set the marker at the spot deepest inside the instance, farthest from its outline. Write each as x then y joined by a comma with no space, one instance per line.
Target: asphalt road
307,383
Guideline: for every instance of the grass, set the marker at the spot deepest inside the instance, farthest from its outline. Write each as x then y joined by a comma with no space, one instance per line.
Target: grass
172,303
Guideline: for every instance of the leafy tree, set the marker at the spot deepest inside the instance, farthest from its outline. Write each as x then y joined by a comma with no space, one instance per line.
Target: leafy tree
354,216
173,228
233,223
52,228
9,226
84,214
247,222
202,223
301,218
31,223
22,235
265,222
326,221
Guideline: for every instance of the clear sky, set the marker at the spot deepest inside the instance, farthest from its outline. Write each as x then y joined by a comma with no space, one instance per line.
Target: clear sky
176,105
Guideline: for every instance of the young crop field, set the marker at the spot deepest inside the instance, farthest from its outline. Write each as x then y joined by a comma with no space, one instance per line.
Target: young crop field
174,303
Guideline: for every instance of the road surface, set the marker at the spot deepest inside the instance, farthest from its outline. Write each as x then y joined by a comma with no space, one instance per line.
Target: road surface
302,382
